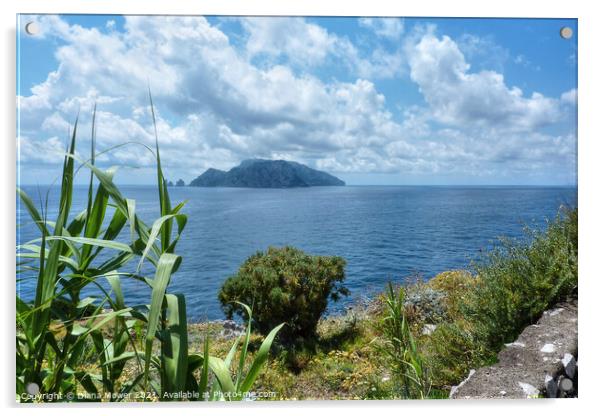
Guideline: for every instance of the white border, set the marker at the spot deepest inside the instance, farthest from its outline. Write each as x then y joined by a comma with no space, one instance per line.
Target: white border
590,161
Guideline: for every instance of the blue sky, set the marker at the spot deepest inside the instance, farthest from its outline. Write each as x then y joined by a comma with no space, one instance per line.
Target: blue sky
371,100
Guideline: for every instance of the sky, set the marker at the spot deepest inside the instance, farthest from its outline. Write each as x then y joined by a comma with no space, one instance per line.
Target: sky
374,101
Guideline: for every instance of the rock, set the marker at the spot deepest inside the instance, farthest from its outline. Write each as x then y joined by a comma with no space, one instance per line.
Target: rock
536,362
531,392
515,344
428,329
551,386
229,324
565,384
570,365
455,389
231,329
556,311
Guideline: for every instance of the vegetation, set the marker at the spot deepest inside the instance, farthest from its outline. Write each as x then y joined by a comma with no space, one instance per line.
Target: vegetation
368,352
517,281
70,347
285,285
414,341
411,379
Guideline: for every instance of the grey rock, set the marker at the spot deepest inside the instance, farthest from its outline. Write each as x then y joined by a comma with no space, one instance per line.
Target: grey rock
570,364
530,391
540,350
551,386
429,329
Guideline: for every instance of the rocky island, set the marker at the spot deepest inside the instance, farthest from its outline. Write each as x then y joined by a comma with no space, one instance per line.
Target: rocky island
262,173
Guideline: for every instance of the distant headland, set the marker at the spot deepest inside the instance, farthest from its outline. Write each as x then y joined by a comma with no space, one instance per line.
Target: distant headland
262,173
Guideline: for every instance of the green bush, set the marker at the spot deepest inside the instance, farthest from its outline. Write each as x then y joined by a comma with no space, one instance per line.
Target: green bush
451,351
517,281
285,285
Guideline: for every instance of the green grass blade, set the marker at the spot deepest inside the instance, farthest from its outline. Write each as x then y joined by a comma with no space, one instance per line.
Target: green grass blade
32,210
156,229
245,345
120,329
259,360
49,268
167,262
222,374
98,242
174,348
164,201
205,372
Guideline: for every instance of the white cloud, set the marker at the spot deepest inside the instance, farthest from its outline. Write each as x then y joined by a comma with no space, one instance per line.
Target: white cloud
303,43
216,106
387,27
484,50
569,97
226,105
307,45
459,97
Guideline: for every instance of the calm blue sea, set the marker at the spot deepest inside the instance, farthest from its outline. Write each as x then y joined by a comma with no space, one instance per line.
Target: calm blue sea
384,232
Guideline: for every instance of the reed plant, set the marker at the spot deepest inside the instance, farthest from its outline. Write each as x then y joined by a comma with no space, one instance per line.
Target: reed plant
397,345
73,347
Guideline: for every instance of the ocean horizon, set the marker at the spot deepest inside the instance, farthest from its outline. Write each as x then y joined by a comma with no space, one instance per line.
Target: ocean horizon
385,233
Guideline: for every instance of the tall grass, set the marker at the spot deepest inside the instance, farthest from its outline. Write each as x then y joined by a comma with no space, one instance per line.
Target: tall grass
68,345
409,373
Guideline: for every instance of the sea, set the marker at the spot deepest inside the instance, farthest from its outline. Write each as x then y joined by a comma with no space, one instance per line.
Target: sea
385,233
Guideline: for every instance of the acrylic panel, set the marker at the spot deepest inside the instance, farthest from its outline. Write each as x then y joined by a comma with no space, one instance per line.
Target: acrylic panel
295,208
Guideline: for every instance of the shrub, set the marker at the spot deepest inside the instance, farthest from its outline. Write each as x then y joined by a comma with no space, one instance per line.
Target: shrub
519,280
455,285
451,351
285,285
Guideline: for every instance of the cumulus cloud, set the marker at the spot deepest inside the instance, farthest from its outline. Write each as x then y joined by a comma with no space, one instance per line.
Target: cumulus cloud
386,27
569,97
305,44
301,42
459,96
217,105
483,50
225,104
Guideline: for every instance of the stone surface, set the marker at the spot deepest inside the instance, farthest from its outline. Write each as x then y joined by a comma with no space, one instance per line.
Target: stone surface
533,364
429,329
551,386
570,365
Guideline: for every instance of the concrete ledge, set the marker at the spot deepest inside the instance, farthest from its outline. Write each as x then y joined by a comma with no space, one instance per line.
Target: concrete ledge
542,362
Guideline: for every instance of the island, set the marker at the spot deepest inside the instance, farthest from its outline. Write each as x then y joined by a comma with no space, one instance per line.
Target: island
262,173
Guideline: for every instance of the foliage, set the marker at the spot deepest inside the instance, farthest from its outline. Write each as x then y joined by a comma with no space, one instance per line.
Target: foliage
519,280
240,387
410,375
285,285
425,304
67,344
455,285
451,351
